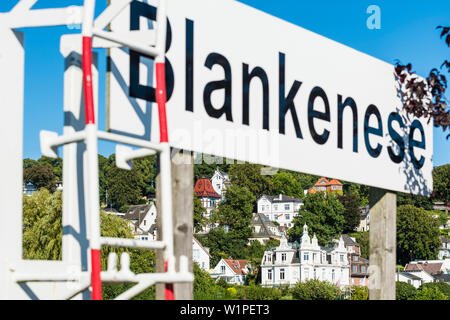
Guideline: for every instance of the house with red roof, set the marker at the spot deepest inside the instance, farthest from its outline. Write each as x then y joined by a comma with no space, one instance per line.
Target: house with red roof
326,186
204,190
233,271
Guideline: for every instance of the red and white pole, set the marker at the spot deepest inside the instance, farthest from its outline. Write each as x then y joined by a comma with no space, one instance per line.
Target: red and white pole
93,207
165,162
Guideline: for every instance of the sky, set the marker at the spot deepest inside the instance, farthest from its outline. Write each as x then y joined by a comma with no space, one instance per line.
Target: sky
407,33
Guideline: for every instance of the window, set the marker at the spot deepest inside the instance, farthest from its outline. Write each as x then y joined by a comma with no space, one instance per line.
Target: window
332,275
306,256
355,258
283,257
287,207
355,269
145,222
317,188
342,258
281,274
269,274
275,207
222,269
195,253
322,188
363,269
314,257
262,208
288,217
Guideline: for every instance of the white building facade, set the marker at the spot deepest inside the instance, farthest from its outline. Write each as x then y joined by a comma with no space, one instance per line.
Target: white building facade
280,208
289,264
200,255
220,180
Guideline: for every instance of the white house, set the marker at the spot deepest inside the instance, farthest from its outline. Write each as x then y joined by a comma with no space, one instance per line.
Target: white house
444,249
200,254
142,221
220,180
411,278
290,263
280,208
364,219
233,271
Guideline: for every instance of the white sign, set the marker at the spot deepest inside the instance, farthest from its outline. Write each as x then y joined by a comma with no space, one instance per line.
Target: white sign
248,86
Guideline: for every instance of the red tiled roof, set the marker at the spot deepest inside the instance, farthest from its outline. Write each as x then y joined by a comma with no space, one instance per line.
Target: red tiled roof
334,182
319,182
431,268
236,265
204,188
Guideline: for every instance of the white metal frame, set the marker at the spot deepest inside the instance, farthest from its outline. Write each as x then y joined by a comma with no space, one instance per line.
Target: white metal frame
22,16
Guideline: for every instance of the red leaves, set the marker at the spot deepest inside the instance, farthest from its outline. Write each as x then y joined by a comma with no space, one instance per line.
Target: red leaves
426,99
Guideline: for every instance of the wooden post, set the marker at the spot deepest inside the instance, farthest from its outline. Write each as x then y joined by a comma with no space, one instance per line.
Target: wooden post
382,239
182,191
183,208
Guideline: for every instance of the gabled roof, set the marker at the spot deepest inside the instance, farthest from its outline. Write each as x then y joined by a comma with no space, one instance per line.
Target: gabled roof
204,188
322,182
202,247
335,182
259,219
237,266
429,267
348,241
284,198
137,212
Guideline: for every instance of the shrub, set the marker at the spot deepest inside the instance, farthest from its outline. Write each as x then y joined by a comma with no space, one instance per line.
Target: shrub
441,286
404,291
316,290
256,292
430,293
359,293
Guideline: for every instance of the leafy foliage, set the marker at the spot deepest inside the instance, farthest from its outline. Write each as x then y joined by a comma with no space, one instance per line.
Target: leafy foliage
323,215
41,177
249,176
441,286
404,291
315,290
360,293
429,293
285,183
441,183
352,213
417,234
417,92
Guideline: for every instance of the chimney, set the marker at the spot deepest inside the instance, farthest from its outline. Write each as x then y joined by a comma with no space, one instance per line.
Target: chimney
280,196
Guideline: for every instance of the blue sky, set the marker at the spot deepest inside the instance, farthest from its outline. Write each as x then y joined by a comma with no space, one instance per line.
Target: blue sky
407,33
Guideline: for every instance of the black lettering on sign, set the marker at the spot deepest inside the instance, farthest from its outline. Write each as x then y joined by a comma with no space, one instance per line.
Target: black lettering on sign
137,10
287,103
218,59
396,158
378,131
317,92
416,125
349,102
247,77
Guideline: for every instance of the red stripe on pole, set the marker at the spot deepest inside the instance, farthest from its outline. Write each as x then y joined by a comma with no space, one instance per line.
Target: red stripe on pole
169,294
86,63
95,275
161,100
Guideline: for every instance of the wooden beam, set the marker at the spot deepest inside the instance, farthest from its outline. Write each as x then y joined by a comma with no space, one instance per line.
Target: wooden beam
382,238
182,191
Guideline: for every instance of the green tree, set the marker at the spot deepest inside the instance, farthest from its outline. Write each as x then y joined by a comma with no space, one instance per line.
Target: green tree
41,177
146,168
359,190
28,163
323,215
315,290
352,213
430,293
249,175
205,165
441,286
236,210
285,183
42,228
417,201
53,163
441,183
417,234
199,214
123,186
404,291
